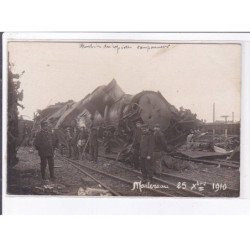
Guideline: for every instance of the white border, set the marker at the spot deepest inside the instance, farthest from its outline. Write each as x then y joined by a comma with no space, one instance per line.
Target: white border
76,205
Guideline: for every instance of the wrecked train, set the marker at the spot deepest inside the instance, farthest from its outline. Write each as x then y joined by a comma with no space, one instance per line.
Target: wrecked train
108,107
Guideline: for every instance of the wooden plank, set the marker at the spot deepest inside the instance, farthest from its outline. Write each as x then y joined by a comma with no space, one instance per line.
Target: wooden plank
202,154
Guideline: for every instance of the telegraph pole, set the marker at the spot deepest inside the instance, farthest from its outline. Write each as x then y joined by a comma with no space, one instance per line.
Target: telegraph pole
213,112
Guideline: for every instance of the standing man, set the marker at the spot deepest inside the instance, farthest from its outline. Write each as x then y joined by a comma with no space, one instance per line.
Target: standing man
74,144
93,144
45,145
190,139
69,143
160,147
136,145
81,141
146,153
108,136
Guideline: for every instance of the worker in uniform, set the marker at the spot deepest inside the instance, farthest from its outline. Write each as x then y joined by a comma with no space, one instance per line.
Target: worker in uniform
146,153
81,142
190,138
108,138
159,147
74,148
25,137
136,145
45,145
69,144
93,143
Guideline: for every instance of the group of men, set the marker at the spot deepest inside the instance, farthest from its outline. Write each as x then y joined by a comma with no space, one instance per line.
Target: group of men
46,141
148,146
79,142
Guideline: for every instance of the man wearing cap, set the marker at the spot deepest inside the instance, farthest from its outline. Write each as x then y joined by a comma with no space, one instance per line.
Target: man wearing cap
108,137
93,144
75,153
136,145
45,145
69,137
146,153
190,139
159,148
81,141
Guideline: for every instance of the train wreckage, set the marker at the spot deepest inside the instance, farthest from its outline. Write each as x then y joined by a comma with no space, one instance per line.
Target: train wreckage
109,108
115,113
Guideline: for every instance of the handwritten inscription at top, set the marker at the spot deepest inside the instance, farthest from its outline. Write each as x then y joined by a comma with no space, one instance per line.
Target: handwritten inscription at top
149,47
122,47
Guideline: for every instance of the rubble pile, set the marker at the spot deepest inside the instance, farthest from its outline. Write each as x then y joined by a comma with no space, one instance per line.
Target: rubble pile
206,142
209,145
228,143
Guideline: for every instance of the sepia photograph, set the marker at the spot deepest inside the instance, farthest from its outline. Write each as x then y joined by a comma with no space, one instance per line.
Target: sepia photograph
124,119
119,118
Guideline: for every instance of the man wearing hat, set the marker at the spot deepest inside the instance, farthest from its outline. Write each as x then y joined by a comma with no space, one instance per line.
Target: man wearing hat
69,138
45,145
93,143
146,153
159,148
136,144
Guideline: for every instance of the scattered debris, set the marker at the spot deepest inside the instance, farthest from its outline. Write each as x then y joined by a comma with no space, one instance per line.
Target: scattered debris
93,192
50,188
106,165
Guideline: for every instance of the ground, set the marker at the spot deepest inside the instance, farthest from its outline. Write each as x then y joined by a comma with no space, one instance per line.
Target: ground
25,177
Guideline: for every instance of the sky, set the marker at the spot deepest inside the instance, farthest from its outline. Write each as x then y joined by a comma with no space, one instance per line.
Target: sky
190,75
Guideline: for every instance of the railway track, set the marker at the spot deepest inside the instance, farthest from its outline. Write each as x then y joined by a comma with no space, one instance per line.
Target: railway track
122,181
180,191
190,185
117,185
113,192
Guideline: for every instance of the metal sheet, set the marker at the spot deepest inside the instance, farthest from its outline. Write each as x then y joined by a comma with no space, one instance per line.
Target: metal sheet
155,110
202,154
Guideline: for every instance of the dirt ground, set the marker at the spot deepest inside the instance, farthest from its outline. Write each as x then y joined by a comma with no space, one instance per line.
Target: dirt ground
25,177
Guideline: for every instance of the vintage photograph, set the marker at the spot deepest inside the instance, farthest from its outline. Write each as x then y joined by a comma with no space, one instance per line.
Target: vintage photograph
123,118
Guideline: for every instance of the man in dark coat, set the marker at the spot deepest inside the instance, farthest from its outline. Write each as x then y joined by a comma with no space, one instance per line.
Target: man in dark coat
160,147
146,153
69,137
93,143
45,145
74,144
136,145
108,136
81,142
